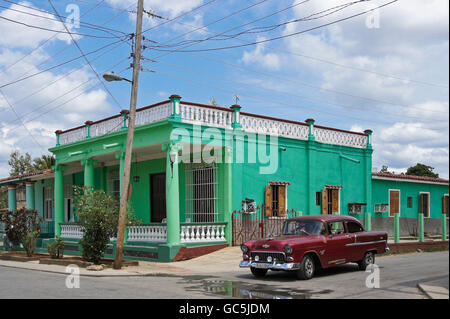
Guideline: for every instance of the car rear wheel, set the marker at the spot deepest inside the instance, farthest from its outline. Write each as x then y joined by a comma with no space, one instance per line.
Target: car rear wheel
307,268
257,272
369,258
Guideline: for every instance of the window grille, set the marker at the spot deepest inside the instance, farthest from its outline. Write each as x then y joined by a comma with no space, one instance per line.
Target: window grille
202,202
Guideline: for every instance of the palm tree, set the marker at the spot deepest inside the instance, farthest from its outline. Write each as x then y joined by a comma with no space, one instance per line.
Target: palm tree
44,162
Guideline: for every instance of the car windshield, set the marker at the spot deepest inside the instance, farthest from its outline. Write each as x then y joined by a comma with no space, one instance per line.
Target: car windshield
304,227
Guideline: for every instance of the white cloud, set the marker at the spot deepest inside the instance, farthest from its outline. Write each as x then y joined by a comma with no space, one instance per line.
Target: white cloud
171,7
24,36
269,61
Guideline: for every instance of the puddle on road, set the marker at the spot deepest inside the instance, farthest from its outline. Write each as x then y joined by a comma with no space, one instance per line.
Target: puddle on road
244,290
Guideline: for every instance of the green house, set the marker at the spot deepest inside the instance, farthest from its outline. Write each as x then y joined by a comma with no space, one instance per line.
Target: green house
193,165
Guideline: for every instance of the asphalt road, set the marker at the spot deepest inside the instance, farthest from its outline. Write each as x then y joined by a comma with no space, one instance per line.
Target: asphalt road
399,276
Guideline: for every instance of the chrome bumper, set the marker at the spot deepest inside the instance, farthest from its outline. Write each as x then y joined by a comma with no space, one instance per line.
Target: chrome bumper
285,266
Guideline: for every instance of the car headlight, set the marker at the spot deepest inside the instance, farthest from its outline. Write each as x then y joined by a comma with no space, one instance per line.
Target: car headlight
244,248
288,249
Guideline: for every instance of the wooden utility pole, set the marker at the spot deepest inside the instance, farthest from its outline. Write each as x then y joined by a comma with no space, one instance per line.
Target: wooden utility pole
130,136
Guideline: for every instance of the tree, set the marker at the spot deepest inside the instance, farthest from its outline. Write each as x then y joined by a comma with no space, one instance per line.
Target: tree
98,214
3,198
23,164
20,164
44,162
385,169
421,170
20,223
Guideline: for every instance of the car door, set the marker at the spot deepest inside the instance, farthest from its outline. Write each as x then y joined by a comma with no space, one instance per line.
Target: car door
356,231
337,250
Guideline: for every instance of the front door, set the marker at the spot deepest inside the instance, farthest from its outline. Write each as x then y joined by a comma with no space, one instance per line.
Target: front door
394,202
157,197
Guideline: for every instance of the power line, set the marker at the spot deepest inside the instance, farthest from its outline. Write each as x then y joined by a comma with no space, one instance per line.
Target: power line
57,31
279,37
84,24
17,115
60,64
86,59
289,93
72,98
52,37
59,79
278,77
318,59
269,100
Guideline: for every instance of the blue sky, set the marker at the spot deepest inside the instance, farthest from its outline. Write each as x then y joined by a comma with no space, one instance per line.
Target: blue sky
386,70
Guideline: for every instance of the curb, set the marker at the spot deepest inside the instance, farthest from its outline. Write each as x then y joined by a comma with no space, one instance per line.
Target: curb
92,273
433,292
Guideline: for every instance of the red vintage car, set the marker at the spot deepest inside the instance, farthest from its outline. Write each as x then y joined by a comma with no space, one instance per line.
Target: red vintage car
311,242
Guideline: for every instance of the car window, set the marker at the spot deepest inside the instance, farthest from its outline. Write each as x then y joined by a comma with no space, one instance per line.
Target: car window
353,227
304,227
336,228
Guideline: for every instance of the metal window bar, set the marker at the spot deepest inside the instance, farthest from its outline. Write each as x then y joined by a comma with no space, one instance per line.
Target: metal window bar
202,201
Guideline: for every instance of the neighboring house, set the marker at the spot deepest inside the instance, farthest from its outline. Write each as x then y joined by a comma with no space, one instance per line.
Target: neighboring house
194,164
409,195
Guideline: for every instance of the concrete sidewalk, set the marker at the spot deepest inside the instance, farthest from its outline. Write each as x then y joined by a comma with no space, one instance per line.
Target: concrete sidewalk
224,260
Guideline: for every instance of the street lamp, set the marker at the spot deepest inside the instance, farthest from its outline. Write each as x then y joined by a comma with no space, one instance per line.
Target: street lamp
111,76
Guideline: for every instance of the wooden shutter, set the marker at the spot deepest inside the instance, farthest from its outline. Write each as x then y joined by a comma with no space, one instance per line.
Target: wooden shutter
268,197
423,207
281,201
394,202
324,201
335,201
445,204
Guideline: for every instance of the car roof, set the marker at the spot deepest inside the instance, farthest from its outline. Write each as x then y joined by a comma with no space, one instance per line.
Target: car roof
327,218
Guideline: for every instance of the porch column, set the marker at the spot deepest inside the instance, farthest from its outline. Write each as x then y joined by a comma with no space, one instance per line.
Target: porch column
228,202
172,196
30,195
310,151
59,198
89,172
121,157
12,204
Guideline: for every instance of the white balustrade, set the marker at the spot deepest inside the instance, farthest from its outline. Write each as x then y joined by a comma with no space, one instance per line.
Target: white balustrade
340,138
147,233
153,114
71,231
261,125
73,136
104,127
196,114
202,233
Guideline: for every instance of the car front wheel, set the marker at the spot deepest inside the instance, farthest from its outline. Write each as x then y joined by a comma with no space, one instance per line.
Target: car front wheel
257,272
307,268
369,258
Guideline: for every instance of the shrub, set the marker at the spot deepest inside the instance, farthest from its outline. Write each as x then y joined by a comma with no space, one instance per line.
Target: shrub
56,249
98,214
29,242
20,223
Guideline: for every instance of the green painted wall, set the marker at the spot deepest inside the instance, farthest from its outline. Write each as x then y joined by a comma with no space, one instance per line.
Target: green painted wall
409,189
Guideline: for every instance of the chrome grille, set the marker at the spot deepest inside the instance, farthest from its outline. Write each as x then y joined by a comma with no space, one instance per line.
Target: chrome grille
276,256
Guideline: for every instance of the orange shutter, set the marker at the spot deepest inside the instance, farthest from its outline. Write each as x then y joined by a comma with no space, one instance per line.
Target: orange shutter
268,197
394,202
324,201
281,201
445,205
334,200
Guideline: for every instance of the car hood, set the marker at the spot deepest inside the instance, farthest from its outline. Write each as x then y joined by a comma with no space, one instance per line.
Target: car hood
278,243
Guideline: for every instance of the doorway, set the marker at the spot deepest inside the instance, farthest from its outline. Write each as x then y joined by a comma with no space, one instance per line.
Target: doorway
157,197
